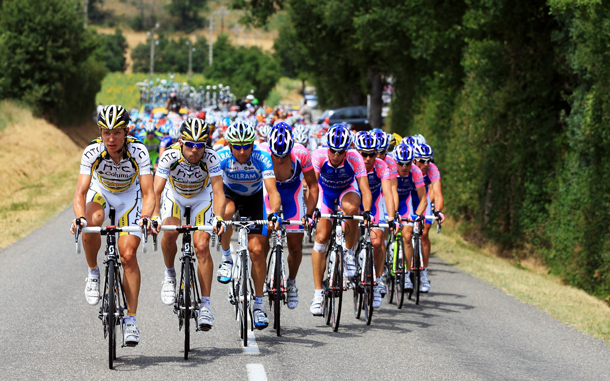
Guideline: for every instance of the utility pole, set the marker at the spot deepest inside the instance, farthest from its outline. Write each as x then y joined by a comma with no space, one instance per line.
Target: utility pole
222,11
86,10
211,36
191,50
152,50
237,30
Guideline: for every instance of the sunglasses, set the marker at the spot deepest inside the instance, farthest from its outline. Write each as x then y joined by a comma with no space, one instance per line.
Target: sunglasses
365,154
194,145
405,164
239,147
341,152
424,161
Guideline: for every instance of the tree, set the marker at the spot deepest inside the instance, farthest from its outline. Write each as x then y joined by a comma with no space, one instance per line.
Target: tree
47,58
113,49
186,13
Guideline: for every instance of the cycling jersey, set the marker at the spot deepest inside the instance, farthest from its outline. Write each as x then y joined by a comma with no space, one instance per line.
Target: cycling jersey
406,186
152,145
245,179
166,142
392,166
185,178
376,175
336,179
115,177
433,174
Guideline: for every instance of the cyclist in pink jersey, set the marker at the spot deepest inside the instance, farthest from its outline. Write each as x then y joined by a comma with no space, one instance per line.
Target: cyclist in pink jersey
410,180
379,179
432,180
292,166
342,178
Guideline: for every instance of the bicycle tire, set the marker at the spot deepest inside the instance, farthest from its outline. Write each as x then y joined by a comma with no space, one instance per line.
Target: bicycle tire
357,290
110,320
187,306
416,270
401,270
245,308
368,286
337,292
277,283
326,312
388,271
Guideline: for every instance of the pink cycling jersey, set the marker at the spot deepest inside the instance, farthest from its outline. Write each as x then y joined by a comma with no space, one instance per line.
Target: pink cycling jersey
336,179
392,166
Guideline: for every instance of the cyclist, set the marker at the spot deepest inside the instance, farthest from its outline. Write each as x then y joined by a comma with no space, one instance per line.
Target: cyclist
384,144
342,178
115,171
292,164
246,167
194,175
152,143
379,178
432,180
410,179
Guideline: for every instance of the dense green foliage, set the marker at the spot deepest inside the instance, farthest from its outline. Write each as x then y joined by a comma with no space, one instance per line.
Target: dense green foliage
512,95
48,60
186,14
113,50
243,68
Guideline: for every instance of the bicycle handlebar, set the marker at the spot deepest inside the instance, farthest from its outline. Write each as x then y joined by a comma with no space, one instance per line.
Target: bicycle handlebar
207,228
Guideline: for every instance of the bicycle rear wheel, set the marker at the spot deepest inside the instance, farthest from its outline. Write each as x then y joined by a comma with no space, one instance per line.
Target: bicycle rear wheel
388,271
400,274
187,306
277,284
337,291
369,280
110,318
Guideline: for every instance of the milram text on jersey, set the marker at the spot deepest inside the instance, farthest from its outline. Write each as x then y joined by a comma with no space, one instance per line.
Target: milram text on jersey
115,177
185,178
246,179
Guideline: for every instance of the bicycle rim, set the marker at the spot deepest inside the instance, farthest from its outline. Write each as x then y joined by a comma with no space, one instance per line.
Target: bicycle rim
337,292
277,283
401,276
245,308
110,320
187,307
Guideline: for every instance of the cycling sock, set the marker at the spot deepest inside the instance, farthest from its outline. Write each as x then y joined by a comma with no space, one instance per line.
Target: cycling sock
258,303
226,255
317,293
95,271
170,272
205,302
130,318
291,282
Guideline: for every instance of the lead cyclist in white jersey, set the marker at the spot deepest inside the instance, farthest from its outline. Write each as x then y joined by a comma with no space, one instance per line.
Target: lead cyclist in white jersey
114,171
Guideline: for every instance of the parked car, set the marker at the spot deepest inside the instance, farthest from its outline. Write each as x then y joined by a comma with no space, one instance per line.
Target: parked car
354,115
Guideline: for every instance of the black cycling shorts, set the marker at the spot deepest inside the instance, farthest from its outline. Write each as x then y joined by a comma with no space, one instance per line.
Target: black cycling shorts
251,207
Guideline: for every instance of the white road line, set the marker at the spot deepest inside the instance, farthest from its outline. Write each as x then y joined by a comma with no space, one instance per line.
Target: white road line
252,346
256,372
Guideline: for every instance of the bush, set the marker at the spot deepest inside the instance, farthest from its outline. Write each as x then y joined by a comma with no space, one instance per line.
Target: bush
47,58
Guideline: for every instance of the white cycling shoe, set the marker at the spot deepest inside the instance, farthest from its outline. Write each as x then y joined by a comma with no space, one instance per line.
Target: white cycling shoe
168,290
92,289
349,264
292,296
425,282
317,305
131,336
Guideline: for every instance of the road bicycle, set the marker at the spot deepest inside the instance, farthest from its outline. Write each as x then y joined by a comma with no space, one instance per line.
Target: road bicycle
276,273
114,304
365,274
241,290
188,298
334,282
417,261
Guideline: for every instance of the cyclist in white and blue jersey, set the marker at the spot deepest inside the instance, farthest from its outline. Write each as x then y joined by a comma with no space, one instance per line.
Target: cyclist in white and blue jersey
245,168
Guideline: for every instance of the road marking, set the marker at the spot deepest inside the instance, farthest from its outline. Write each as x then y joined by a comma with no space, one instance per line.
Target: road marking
252,346
256,372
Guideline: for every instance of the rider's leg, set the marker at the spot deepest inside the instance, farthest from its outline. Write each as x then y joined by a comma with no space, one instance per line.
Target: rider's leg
295,253
259,265
425,244
94,213
226,236
318,258
377,241
205,269
407,231
128,246
168,242
350,204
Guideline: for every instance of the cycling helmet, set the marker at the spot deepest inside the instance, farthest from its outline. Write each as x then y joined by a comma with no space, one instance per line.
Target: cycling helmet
383,139
410,140
419,139
113,117
366,141
423,151
174,133
403,153
392,142
150,128
281,140
301,134
240,132
264,130
338,137
194,129
166,128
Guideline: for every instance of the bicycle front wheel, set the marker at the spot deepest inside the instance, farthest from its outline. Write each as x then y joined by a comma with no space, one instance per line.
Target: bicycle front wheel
110,318
368,284
187,306
337,291
277,284
400,274
244,300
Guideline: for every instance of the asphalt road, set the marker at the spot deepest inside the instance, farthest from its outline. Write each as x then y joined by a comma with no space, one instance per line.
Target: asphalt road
463,329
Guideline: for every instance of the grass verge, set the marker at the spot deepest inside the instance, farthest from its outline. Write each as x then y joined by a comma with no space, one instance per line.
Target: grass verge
528,282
